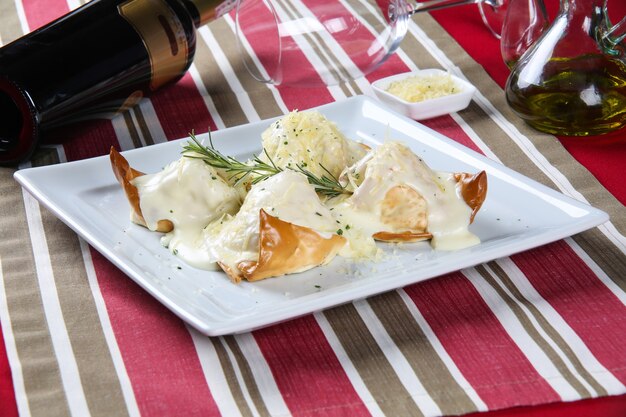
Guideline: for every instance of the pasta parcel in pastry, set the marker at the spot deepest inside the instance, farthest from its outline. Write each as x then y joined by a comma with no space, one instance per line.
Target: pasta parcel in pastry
282,228
398,198
311,141
180,200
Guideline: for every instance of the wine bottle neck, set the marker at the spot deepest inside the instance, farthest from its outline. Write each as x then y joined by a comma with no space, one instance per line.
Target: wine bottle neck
209,10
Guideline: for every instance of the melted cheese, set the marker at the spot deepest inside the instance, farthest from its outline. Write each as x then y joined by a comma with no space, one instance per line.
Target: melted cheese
308,139
391,165
286,195
190,194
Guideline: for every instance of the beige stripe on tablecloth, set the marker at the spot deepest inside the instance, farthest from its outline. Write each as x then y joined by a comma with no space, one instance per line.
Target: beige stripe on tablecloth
132,129
370,362
607,257
416,348
95,365
231,377
545,325
261,96
89,347
534,333
143,126
11,27
38,362
246,374
217,86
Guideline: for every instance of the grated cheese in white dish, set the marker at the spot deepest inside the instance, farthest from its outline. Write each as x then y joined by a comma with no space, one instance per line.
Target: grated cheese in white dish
420,88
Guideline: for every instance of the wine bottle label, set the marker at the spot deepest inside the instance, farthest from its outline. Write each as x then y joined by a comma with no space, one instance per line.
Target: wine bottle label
163,36
210,10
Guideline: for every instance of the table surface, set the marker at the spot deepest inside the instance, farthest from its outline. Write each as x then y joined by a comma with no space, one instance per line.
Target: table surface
541,333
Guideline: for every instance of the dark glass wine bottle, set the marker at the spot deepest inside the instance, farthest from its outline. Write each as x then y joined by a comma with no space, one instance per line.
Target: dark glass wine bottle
94,62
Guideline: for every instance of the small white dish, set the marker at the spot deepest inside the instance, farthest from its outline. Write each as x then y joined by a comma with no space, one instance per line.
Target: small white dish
426,109
518,214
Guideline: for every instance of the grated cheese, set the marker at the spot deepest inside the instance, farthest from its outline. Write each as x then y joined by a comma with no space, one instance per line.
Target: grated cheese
420,88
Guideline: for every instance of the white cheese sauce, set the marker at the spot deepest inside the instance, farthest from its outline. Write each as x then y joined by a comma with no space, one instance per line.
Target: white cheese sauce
288,196
190,194
212,224
394,164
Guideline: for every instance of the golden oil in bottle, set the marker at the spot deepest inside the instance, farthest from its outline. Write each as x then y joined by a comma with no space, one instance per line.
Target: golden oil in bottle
579,96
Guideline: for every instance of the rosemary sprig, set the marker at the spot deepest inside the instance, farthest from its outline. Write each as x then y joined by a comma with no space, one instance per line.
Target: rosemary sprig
327,185
239,170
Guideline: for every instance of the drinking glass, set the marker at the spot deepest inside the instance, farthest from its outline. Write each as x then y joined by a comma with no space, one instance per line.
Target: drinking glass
326,42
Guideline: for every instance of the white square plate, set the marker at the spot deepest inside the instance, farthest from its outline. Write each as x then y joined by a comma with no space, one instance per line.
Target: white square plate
518,214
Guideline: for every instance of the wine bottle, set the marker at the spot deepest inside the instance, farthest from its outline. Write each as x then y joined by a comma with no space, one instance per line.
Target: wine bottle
94,62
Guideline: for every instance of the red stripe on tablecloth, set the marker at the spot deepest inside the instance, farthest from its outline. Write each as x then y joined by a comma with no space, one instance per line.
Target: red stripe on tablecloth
181,109
88,139
156,347
38,15
470,332
448,127
7,395
311,381
584,302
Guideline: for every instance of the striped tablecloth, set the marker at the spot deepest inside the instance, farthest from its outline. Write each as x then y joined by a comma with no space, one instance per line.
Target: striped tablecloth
541,326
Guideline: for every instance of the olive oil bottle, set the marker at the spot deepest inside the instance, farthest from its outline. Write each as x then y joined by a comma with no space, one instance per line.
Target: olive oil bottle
579,96
572,80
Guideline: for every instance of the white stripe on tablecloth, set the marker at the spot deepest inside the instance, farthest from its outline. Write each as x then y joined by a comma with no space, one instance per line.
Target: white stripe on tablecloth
241,382
262,374
121,132
602,375
535,355
533,322
246,45
397,360
602,276
73,4
11,350
206,97
153,123
107,330
525,144
68,367
230,75
214,375
21,14
441,351
348,367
